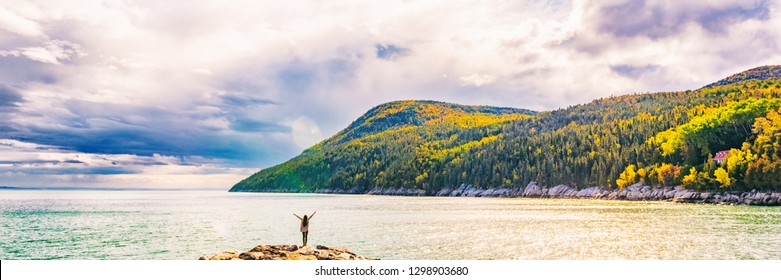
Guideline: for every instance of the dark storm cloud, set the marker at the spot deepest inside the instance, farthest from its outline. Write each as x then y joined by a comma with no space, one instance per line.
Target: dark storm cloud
71,170
9,97
248,125
105,128
246,101
148,142
656,20
55,162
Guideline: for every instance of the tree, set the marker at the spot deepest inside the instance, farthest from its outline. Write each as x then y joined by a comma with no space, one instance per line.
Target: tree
667,174
697,180
627,177
688,180
722,177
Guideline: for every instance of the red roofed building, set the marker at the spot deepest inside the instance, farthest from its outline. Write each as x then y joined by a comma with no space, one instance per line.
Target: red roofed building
720,156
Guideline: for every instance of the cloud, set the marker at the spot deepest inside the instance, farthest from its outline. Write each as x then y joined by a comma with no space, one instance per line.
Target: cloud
252,84
9,97
390,51
12,22
22,162
248,125
657,19
633,72
53,52
477,79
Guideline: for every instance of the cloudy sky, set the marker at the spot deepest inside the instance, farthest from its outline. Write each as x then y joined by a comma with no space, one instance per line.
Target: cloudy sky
199,94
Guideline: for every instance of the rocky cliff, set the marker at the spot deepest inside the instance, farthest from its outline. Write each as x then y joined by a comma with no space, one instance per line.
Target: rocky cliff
288,252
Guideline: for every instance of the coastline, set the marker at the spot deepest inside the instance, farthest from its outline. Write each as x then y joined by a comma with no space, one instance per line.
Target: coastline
636,192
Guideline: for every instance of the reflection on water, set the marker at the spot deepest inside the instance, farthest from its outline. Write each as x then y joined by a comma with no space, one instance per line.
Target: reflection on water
188,224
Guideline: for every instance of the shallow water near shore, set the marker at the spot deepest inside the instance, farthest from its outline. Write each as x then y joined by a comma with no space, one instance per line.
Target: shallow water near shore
41,224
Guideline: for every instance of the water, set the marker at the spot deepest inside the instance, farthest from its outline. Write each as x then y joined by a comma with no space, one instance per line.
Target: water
188,224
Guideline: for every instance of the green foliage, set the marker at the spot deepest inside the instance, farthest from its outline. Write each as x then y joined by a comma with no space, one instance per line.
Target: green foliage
662,139
721,128
698,180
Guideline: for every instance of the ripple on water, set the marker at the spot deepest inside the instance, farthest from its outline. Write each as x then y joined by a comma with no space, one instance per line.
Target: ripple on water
185,225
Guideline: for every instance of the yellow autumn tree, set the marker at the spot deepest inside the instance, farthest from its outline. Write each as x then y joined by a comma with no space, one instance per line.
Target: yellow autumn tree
667,173
722,177
627,177
641,174
689,179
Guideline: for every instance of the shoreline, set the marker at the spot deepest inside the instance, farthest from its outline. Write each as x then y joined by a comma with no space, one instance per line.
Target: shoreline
636,192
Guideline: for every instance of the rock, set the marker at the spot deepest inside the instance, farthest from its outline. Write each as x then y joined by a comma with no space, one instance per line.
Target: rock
288,252
637,191
588,192
635,187
414,192
444,192
471,191
297,256
503,192
260,248
532,190
253,256
227,255
633,194
458,191
559,191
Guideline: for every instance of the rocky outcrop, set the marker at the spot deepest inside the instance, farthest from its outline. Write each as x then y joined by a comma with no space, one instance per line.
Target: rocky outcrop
636,192
288,252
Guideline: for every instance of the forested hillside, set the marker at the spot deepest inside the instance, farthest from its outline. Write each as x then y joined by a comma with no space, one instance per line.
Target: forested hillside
661,139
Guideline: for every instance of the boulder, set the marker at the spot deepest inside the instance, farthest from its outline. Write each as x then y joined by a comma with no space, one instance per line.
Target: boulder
253,256
487,193
444,192
227,255
560,191
532,190
635,187
502,193
592,192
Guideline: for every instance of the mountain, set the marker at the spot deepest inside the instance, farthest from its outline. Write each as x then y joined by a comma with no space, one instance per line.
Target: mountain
661,139
383,143
768,72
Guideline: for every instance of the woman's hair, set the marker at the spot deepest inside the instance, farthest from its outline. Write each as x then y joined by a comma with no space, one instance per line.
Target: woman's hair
305,220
